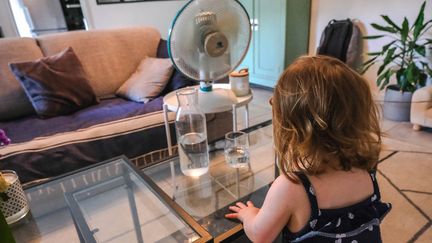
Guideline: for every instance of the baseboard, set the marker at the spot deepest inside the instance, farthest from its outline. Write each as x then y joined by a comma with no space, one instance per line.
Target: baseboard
252,85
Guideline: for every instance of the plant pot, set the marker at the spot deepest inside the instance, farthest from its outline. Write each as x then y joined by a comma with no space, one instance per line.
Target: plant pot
397,104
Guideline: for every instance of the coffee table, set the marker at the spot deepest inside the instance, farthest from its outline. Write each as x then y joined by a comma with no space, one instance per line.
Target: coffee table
207,198
115,202
109,202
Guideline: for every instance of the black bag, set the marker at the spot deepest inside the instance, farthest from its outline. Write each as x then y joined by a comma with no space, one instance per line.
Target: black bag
336,39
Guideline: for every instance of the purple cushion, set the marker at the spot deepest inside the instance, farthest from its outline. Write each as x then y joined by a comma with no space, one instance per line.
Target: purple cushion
177,80
55,85
108,110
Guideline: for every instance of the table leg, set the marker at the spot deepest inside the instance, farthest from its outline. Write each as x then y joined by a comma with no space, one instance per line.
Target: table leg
167,129
173,180
234,111
247,115
170,152
238,183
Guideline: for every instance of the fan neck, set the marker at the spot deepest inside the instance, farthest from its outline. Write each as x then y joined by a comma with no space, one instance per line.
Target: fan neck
206,86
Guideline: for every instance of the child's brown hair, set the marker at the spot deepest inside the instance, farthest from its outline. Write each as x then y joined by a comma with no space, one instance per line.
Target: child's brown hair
324,115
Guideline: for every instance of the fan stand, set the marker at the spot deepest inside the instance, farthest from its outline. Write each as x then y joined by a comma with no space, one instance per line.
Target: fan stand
214,99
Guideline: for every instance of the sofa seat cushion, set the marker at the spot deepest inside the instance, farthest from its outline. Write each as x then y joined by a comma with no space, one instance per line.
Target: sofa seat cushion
56,85
107,111
109,56
13,101
50,147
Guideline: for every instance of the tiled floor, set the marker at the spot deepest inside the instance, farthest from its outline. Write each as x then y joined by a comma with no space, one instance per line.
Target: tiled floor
404,175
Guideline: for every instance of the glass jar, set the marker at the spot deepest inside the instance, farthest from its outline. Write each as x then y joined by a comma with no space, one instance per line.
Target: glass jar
191,133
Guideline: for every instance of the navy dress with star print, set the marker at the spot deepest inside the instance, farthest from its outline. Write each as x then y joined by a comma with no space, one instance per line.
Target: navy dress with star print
357,223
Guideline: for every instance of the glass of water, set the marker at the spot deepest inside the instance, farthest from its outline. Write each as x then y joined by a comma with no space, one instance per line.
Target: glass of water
237,149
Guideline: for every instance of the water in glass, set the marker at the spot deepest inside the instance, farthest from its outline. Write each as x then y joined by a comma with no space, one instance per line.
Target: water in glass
193,154
236,149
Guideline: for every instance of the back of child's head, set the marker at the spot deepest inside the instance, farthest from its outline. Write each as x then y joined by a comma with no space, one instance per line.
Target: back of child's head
324,115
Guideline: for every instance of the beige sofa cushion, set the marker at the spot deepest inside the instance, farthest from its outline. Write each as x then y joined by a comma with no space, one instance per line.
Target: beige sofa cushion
13,101
148,81
109,56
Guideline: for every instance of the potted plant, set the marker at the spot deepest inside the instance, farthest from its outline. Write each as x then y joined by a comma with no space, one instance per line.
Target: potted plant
403,57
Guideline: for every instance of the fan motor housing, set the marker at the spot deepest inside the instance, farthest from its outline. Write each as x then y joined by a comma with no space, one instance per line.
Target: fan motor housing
215,44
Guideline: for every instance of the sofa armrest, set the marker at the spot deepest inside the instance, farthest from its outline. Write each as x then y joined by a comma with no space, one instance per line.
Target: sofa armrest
423,95
420,103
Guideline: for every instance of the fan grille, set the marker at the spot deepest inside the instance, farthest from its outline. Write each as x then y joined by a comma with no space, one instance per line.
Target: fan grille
184,40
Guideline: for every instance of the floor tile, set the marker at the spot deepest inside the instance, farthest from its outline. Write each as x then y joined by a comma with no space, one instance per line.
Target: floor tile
384,154
410,171
426,237
391,144
404,220
422,200
387,124
404,132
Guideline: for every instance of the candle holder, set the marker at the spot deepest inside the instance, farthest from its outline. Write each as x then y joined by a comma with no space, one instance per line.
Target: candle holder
13,202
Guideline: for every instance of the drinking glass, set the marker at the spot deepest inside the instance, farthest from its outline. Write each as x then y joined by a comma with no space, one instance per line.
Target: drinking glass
237,149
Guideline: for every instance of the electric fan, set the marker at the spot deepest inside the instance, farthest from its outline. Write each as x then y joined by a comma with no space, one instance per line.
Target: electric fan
208,39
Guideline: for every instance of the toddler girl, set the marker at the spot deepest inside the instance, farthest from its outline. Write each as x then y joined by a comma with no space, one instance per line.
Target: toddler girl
327,139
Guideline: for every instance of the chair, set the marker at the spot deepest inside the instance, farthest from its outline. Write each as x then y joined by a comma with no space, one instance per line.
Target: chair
421,108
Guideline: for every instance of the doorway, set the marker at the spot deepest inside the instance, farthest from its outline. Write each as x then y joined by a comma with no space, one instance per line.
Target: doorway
39,17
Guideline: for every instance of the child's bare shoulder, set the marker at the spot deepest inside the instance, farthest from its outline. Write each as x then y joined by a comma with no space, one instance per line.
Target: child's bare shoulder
293,191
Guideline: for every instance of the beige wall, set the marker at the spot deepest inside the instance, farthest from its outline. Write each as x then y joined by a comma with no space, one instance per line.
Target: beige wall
154,13
367,11
6,19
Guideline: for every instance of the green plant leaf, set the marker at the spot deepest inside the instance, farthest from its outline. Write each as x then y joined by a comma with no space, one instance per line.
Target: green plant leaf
384,28
368,64
411,73
420,50
388,59
366,67
401,78
426,25
390,22
373,37
418,24
387,46
374,53
405,30
380,79
387,78
370,61
422,79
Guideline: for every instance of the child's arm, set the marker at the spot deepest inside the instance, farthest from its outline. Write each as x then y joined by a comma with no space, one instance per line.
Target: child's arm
264,225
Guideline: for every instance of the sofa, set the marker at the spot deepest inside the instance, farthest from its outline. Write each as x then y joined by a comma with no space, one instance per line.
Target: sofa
44,148
421,108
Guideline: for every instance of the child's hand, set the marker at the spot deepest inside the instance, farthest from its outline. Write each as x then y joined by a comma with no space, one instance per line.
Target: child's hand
242,211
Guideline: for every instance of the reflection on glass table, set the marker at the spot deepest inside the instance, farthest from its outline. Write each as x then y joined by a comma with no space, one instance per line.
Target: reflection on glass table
207,197
110,202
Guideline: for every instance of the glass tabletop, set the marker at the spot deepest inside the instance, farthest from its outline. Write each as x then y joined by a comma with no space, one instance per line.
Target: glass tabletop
206,198
110,202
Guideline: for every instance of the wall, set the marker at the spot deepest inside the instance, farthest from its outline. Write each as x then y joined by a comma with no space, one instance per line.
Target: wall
6,19
155,13
367,11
